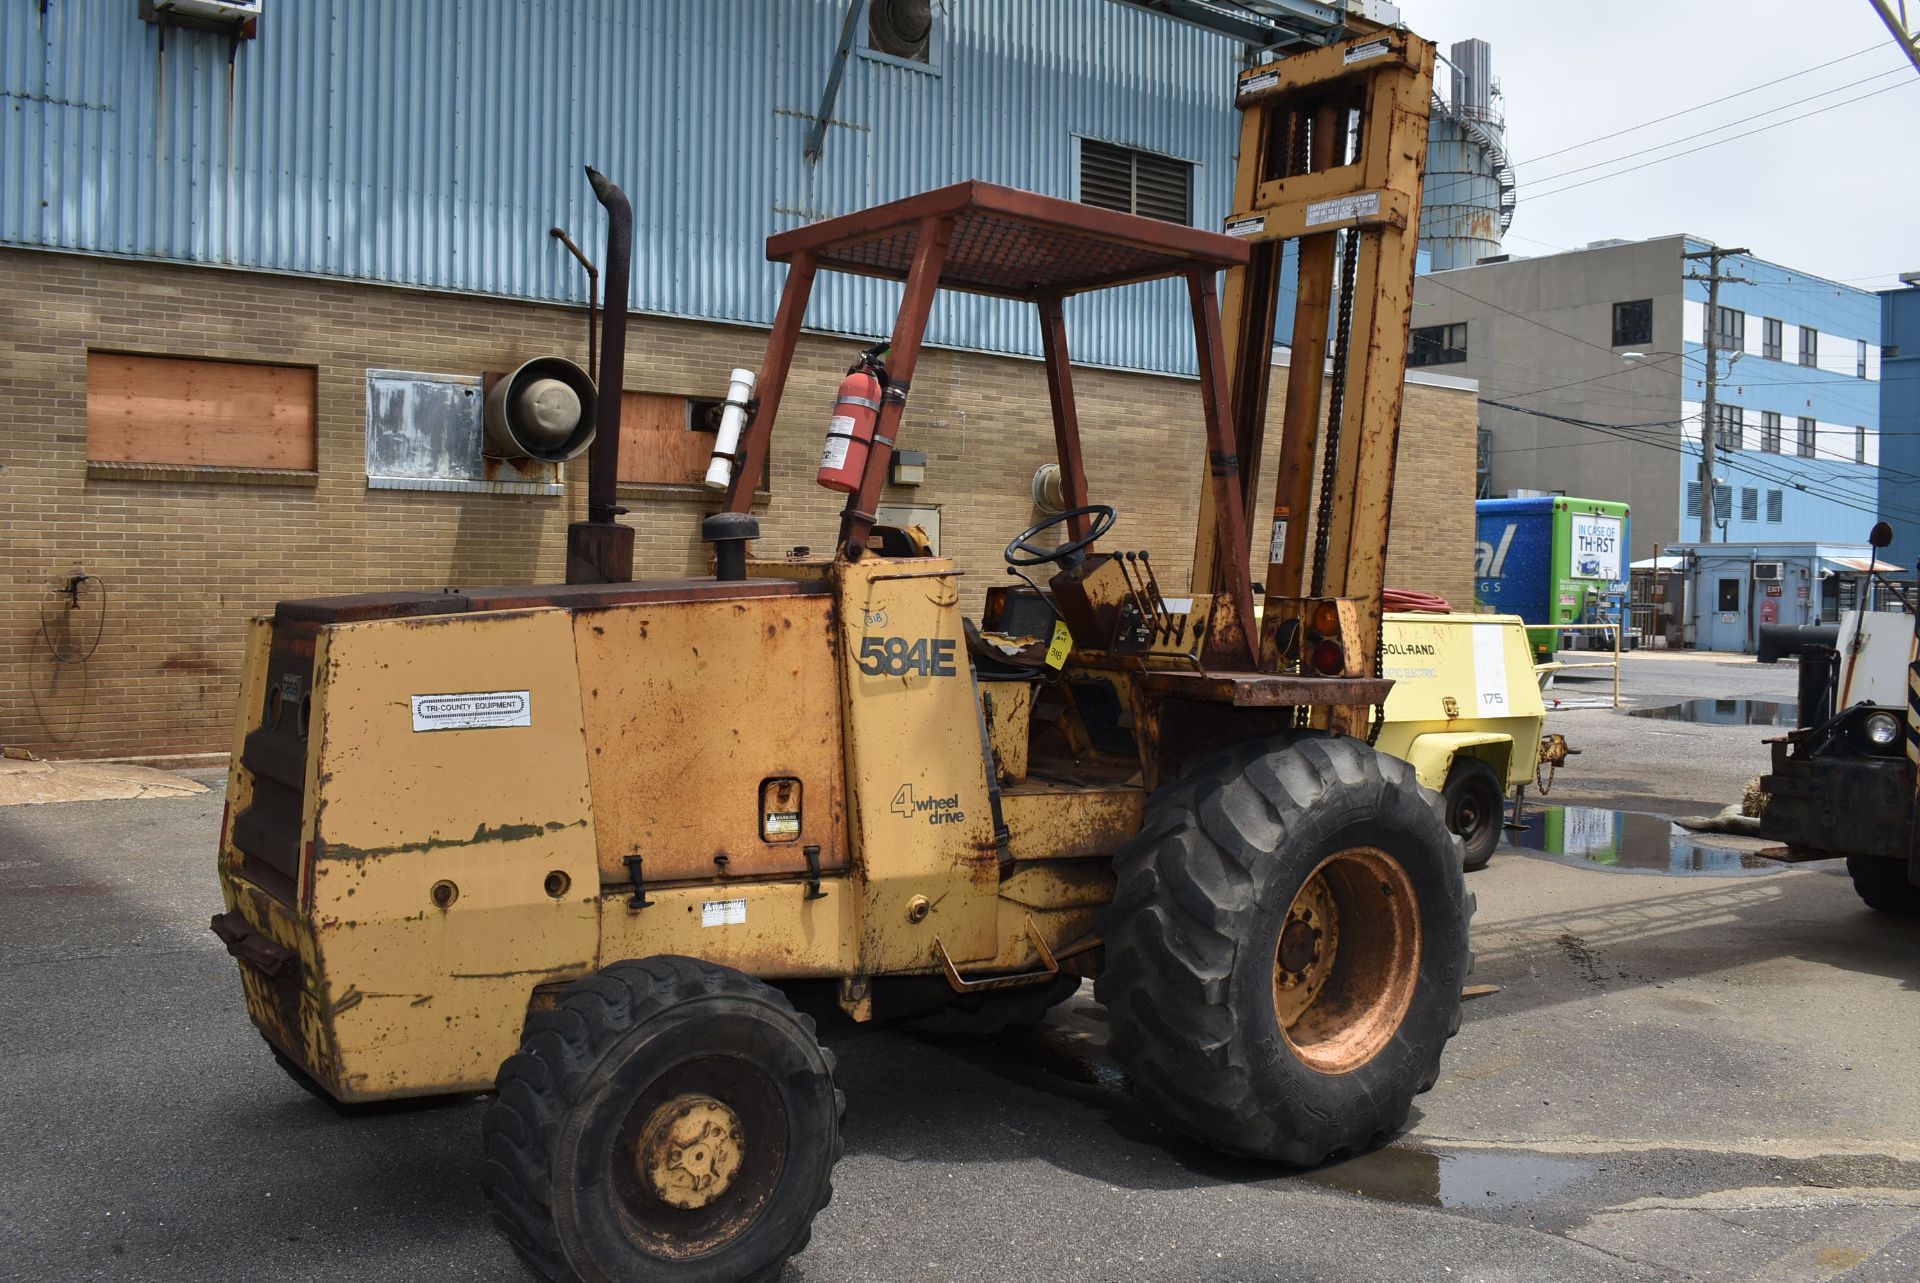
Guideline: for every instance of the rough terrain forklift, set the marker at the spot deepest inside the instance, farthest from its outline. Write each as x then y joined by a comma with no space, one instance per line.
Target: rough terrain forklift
564,842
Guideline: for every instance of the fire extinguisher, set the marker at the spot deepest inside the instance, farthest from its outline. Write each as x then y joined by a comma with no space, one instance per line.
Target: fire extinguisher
856,409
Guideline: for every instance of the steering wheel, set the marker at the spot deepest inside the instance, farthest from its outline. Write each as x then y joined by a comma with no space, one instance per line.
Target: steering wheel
1103,519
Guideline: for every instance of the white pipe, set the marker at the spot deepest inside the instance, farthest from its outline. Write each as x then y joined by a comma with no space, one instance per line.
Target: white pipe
732,419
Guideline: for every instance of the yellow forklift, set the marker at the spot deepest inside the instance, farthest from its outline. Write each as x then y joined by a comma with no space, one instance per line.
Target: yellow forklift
565,842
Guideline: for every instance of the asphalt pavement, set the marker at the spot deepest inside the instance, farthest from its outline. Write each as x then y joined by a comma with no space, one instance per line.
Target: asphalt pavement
1709,1076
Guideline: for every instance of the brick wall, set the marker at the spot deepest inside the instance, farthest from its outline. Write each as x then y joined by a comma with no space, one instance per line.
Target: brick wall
186,561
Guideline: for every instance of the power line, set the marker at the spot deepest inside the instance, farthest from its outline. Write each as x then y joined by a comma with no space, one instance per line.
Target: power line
1439,279
1712,102
1442,191
1732,451
1671,423
1739,460
1687,138
1588,182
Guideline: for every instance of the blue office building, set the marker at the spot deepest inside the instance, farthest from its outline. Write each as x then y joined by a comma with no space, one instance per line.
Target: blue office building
1900,421
1797,413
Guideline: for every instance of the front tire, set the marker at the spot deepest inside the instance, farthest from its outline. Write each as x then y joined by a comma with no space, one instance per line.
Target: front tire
1882,883
1476,806
1285,947
667,1120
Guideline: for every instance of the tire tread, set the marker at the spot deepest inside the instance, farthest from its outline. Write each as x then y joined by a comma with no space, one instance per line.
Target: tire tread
536,1087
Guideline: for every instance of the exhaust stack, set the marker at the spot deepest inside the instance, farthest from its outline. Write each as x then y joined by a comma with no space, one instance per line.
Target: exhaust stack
600,549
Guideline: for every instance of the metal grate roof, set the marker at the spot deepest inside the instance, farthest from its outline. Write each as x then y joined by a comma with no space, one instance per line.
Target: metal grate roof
1010,243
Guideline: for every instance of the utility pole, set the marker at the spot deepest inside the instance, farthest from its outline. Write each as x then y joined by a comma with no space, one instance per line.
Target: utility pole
1708,427
1897,24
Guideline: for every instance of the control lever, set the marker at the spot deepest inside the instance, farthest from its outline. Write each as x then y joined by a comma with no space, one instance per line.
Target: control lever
1046,597
1160,602
1137,594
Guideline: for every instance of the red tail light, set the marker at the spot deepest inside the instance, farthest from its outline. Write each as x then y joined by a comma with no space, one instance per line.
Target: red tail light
1328,659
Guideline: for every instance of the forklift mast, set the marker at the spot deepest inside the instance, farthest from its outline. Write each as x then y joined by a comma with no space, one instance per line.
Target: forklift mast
1333,147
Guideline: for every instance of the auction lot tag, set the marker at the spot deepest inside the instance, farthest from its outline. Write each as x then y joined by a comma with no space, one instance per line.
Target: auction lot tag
472,710
1061,645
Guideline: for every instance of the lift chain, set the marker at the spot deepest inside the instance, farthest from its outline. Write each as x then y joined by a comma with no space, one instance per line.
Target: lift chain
1336,409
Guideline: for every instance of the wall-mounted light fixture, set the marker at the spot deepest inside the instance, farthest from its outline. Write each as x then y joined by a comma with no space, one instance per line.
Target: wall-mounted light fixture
909,467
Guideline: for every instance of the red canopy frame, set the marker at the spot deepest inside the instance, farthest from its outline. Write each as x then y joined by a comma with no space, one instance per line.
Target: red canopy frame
983,239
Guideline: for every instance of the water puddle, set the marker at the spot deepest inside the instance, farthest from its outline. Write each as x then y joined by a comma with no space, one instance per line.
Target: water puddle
1629,841
1469,1178
1724,712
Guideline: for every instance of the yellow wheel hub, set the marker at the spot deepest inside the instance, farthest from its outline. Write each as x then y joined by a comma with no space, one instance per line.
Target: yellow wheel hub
1309,943
690,1151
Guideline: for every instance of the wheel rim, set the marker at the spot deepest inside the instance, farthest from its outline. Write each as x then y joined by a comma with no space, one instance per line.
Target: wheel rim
690,1151
1473,813
1347,960
697,1159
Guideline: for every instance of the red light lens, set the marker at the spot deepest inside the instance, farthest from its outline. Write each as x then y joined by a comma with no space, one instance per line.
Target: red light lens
1329,660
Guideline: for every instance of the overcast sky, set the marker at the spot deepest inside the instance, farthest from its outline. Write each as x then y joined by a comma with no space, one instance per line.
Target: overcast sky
1837,193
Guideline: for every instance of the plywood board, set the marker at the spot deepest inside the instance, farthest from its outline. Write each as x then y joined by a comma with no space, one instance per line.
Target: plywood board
656,446
196,413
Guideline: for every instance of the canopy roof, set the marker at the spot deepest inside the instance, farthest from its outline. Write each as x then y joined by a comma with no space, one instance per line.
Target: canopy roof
1010,243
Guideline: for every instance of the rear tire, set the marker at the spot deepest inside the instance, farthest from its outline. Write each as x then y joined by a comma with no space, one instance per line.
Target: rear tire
990,1014
1476,806
667,1120
1285,947
1882,883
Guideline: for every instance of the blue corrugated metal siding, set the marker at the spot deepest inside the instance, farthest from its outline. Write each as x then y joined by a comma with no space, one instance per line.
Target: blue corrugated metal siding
433,145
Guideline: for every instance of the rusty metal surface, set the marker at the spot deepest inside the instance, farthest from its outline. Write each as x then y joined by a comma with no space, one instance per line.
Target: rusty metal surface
769,928
413,990
603,459
1011,243
1046,966
1263,690
1050,820
688,707
599,552
918,800
358,607
1066,415
751,462
1007,708
932,239
1230,637
1294,174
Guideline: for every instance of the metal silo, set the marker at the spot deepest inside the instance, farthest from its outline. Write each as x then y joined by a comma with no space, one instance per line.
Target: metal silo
1469,197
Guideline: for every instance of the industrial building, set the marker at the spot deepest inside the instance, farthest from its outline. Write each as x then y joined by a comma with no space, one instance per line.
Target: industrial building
1471,192
252,280
1900,420
1592,369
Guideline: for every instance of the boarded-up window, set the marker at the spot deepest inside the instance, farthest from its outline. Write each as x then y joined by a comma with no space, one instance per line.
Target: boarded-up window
182,412
667,440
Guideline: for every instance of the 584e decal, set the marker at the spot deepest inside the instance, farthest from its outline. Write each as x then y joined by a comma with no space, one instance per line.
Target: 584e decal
897,657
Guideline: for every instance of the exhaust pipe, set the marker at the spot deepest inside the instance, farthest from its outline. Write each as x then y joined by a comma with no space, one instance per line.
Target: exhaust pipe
600,549
604,471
